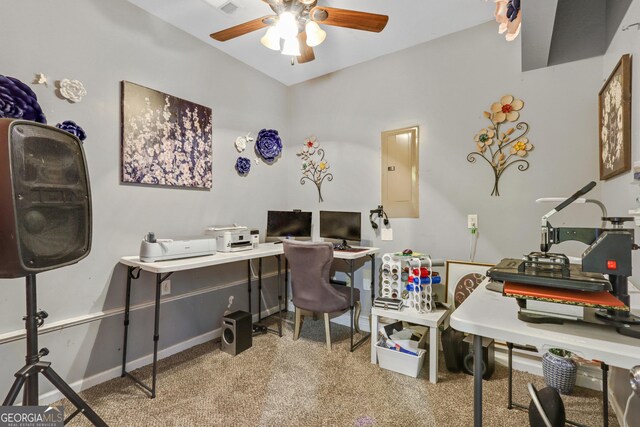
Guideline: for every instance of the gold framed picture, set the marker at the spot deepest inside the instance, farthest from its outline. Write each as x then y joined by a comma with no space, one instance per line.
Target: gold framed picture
614,106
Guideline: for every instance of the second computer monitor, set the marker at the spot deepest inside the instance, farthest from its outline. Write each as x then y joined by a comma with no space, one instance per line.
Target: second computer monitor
340,225
288,224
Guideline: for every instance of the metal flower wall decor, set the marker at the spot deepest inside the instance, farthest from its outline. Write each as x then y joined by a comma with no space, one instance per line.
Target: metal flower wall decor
500,148
314,167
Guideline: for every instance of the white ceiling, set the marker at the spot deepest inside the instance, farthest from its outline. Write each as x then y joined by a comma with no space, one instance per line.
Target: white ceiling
411,22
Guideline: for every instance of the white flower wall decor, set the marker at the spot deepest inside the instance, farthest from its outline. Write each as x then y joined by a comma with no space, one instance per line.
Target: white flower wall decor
72,90
40,79
242,141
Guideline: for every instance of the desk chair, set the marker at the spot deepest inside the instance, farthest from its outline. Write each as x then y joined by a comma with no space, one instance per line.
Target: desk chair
312,292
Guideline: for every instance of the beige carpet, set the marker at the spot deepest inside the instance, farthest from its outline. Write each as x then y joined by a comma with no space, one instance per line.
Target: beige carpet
279,382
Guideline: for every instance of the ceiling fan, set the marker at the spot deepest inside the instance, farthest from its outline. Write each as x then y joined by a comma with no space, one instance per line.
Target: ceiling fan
296,22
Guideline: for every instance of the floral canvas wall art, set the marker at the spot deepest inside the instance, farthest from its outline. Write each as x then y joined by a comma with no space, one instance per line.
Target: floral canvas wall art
165,140
615,121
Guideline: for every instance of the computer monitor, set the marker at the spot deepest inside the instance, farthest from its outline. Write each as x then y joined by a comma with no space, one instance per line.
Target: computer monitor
288,224
341,225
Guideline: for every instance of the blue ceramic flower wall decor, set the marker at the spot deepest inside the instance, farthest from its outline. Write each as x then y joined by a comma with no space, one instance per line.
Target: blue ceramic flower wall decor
71,127
243,165
268,145
18,101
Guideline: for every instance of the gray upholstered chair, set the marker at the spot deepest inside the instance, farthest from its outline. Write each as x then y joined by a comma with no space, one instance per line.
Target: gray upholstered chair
312,292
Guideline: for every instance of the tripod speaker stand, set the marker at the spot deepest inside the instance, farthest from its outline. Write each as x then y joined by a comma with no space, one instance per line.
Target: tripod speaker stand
28,375
45,223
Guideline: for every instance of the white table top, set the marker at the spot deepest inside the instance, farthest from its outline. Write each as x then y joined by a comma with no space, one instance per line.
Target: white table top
430,319
264,250
489,314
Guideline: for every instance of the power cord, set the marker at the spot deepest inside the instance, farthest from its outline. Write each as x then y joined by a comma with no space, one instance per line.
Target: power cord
626,410
473,243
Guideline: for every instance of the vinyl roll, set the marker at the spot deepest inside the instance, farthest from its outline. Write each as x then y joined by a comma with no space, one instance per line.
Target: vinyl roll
414,263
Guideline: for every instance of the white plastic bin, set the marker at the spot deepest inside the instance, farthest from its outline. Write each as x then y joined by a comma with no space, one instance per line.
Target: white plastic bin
403,363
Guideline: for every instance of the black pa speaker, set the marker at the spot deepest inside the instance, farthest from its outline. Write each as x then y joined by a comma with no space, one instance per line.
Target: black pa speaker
237,332
45,200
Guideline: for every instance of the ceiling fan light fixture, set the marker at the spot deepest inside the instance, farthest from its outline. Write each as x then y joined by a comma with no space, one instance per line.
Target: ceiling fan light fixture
315,34
271,39
291,47
287,25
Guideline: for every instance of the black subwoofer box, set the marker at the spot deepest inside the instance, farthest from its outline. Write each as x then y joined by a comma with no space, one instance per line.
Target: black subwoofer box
237,332
488,356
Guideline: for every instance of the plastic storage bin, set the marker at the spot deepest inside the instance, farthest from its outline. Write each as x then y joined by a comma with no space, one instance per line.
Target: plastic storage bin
403,363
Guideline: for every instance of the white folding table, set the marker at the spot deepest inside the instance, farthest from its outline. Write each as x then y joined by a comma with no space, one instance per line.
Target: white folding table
164,269
489,314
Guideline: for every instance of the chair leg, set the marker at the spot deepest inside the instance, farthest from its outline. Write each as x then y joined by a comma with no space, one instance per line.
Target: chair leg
327,330
356,317
298,324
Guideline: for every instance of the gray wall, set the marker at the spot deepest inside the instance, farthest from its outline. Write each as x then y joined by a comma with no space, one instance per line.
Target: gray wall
102,43
444,86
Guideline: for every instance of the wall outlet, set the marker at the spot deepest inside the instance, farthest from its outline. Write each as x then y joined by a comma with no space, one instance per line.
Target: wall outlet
366,279
472,221
348,280
165,287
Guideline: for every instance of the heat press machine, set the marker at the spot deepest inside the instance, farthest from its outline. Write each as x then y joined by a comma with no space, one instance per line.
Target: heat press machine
551,277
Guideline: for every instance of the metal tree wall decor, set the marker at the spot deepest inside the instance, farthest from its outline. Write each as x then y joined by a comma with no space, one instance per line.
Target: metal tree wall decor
500,148
314,166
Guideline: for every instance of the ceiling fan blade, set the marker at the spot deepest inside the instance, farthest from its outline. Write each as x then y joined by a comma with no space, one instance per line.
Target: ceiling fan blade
242,29
306,52
349,18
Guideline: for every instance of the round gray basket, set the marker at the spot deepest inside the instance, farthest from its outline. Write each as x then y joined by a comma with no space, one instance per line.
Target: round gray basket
559,370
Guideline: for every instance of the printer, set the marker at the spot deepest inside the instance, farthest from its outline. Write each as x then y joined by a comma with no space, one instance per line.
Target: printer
153,249
233,237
